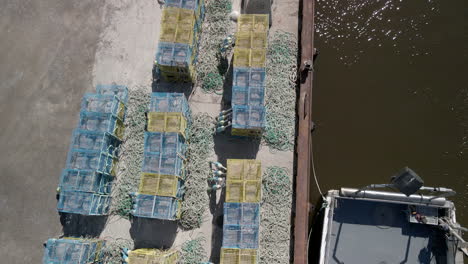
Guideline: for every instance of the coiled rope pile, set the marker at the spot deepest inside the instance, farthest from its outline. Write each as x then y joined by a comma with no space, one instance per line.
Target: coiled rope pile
131,152
199,151
216,27
112,250
275,216
280,100
193,251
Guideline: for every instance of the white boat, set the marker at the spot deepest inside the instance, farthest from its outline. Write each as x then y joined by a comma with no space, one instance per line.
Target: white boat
369,226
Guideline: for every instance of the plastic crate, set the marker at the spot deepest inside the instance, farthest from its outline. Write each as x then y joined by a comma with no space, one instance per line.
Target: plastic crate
241,77
248,117
246,77
120,91
197,5
179,25
259,40
246,214
175,57
257,58
257,77
244,169
85,181
241,57
169,144
240,236
249,57
84,203
187,32
261,23
251,40
164,154
72,251
101,122
243,191
163,164
169,102
245,23
167,122
168,31
251,22
244,40
152,256
159,207
238,256
256,96
79,159
161,185
251,96
100,103
243,181
94,140
240,96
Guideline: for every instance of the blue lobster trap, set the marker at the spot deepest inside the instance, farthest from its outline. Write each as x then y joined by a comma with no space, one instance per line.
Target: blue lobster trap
84,203
169,102
245,77
163,164
252,96
159,207
241,225
245,237
79,159
95,140
164,153
248,117
167,143
245,214
175,57
100,103
85,181
73,251
101,122
120,91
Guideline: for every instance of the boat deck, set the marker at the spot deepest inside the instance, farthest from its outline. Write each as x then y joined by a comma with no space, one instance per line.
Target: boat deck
378,232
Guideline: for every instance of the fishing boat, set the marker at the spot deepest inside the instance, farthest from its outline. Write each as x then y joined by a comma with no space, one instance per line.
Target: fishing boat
409,224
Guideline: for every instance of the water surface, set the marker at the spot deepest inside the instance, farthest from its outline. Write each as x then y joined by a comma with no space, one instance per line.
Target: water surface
391,90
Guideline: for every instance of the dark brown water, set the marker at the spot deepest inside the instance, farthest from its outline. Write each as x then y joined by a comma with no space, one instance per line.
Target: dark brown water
391,90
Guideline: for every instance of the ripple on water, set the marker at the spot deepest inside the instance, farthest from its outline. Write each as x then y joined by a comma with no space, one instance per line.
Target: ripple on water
351,26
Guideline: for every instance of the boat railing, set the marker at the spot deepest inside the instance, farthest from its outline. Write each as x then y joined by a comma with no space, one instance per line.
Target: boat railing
393,196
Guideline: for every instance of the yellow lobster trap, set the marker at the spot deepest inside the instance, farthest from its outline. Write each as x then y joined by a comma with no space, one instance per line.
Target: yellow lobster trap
160,184
243,181
179,25
251,22
238,256
167,122
251,40
152,256
249,57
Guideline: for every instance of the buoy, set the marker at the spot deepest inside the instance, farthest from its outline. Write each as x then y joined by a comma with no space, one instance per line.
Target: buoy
234,15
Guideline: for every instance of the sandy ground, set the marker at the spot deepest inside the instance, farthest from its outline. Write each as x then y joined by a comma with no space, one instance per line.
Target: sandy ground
54,51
